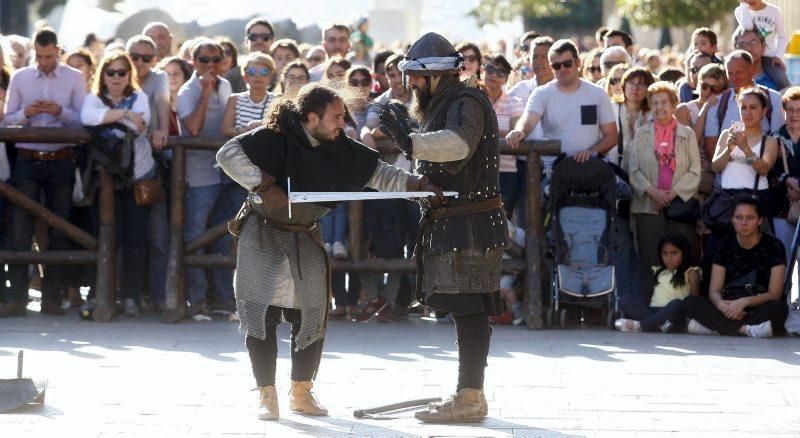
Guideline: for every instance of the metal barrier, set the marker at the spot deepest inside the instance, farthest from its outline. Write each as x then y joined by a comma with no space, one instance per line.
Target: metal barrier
182,254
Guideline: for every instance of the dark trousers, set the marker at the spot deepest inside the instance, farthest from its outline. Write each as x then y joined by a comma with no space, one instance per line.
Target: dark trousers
703,311
264,353
652,318
472,335
345,293
131,228
55,179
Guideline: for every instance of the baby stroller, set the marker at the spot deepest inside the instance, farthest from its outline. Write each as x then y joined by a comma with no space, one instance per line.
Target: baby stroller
582,205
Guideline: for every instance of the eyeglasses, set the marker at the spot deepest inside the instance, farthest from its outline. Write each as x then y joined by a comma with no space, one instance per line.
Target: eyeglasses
639,85
792,111
566,64
121,73
470,58
206,59
500,72
524,48
295,78
614,81
746,44
144,58
610,64
259,36
316,58
714,88
362,83
257,71
594,69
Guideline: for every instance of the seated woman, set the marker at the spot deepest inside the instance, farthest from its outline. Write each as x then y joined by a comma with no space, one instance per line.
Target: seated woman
745,296
664,169
675,279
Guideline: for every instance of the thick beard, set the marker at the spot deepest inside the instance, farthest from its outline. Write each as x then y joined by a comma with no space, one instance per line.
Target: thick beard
419,104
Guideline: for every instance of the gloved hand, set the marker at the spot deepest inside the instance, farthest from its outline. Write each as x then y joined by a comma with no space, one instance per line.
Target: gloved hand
395,124
271,194
417,183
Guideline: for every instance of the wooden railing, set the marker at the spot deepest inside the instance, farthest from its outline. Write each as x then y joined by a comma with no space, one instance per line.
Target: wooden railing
100,250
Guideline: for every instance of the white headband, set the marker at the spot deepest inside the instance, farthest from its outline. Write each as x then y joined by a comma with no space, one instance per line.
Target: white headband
434,63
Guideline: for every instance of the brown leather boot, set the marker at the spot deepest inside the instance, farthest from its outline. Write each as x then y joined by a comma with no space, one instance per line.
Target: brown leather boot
12,308
268,403
466,406
302,400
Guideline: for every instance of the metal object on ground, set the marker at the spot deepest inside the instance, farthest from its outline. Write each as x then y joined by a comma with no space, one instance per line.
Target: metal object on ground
18,392
379,413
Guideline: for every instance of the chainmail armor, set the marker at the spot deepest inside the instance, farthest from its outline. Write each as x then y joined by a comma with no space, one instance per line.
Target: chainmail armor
262,245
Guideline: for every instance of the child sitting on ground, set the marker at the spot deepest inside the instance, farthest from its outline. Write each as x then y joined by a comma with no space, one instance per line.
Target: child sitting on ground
674,280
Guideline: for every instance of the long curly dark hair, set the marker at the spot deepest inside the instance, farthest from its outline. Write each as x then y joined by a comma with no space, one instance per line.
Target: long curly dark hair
312,98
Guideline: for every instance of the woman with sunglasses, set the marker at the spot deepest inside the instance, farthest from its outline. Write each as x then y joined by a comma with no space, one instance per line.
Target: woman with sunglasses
245,111
613,83
592,71
116,98
711,80
472,60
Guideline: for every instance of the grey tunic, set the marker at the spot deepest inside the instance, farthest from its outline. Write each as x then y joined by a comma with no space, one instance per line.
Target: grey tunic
263,248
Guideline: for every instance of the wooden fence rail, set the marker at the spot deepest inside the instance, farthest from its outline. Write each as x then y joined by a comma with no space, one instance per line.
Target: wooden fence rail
100,250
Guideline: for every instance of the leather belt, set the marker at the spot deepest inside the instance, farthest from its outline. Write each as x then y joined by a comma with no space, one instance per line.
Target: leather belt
66,153
460,210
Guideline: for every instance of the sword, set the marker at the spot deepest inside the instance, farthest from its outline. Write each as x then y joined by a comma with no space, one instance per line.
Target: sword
304,197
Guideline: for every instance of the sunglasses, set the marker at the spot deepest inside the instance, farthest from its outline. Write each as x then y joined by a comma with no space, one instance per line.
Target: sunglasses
610,64
594,69
362,83
121,73
470,58
566,64
614,81
206,59
714,89
257,71
490,69
138,56
316,58
259,36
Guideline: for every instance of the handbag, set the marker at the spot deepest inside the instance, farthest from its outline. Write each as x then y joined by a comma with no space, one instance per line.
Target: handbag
686,212
742,287
148,192
718,208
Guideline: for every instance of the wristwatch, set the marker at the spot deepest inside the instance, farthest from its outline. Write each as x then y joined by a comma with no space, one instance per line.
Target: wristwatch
750,160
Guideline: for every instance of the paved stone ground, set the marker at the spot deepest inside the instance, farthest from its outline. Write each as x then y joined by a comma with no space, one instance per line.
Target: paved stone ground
142,378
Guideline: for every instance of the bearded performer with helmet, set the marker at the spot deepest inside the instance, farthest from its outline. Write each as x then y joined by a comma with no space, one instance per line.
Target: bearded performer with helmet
460,245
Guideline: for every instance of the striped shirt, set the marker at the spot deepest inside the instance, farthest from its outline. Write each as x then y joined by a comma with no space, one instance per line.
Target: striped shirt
248,111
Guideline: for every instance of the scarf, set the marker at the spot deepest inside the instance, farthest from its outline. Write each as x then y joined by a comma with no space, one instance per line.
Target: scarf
665,152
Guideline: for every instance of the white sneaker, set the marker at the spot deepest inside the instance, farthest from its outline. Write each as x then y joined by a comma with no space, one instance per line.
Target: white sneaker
696,328
130,307
763,330
622,325
328,249
339,250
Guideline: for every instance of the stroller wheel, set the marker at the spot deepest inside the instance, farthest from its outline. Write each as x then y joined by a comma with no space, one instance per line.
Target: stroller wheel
611,318
562,320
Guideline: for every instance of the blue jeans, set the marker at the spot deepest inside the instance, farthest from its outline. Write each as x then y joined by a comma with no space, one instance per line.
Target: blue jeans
334,224
31,177
131,227
207,206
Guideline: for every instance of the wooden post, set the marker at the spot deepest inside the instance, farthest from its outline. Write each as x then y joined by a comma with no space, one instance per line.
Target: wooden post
176,274
207,238
106,276
533,240
355,218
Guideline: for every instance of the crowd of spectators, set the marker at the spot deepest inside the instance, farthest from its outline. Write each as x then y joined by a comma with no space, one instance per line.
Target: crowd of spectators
677,126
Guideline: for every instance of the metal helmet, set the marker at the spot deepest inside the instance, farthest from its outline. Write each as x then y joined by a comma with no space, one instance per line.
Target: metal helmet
431,55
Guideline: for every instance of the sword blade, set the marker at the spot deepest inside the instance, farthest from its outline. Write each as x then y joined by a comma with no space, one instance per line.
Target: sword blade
301,197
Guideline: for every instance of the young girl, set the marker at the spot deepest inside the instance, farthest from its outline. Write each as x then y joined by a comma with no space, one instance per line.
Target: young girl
674,280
